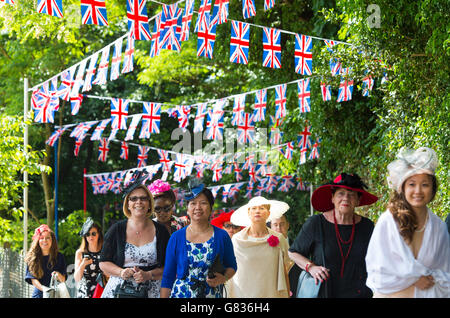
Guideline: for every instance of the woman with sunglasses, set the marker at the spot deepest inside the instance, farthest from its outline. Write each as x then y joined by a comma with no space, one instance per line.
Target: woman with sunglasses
222,221
165,205
135,249
87,256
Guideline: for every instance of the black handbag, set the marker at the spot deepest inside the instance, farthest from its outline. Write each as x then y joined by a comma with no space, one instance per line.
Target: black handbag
307,287
128,290
216,267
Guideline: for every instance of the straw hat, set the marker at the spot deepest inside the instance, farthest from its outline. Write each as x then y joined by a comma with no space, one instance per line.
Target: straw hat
277,209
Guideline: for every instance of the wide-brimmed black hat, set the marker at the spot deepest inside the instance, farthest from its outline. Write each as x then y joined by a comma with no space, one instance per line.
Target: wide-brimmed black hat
321,197
137,178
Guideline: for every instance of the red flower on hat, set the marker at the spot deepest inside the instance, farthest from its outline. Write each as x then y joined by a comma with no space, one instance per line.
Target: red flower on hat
273,240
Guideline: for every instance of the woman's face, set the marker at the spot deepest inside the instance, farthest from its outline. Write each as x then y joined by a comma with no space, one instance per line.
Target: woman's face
138,203
345,201
199,208
45,242
258,214
418,190
163,209
92,235
231,228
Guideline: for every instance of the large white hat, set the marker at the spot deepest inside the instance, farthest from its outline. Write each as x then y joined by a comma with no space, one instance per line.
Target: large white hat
411,162
277,209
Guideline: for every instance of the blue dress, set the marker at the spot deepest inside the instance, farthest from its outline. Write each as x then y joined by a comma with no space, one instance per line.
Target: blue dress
200,257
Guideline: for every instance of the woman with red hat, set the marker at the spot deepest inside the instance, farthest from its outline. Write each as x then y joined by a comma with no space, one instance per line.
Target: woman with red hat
222,221
336,260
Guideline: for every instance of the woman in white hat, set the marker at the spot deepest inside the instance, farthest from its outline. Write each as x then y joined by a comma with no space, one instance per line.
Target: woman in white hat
261,253
409,252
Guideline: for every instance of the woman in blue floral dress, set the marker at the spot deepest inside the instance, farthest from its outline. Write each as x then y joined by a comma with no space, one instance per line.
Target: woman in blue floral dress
192,250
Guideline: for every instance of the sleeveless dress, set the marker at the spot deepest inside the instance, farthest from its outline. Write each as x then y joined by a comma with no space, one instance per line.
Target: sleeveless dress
144,255
88,282
200,257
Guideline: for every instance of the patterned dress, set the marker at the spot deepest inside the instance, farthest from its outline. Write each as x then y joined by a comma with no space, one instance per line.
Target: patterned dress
144,255
200,257
88,282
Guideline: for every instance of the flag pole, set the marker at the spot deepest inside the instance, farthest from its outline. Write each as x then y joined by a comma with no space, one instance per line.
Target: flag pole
56,190
84,191
25,173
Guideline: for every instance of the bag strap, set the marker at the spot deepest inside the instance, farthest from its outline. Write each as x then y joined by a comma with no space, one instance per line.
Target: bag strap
322,244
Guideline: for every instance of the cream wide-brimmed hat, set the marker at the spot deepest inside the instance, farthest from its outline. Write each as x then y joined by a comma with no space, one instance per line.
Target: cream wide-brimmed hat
277,209
411,162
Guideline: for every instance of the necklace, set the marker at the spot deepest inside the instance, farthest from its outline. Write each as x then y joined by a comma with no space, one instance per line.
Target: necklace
424,225
340,240
198,232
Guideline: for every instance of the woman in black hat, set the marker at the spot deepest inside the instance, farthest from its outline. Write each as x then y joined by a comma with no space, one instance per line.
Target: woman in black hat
87,256
346,237
134,249
192,251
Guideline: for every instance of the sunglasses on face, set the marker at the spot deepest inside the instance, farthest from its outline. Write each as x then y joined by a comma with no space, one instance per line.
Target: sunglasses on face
167,208
94,234
229,226
134,199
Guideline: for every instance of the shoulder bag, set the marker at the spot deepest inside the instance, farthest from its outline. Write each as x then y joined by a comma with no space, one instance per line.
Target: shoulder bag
307,287
56,289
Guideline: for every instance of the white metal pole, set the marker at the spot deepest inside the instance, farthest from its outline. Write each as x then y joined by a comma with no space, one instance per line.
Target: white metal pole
25,173
310,196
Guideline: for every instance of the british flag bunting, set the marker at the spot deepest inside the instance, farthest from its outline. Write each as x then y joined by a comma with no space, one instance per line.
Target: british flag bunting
138,19
93,12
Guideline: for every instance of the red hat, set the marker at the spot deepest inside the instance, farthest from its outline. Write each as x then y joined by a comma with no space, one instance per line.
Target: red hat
321,197
221,219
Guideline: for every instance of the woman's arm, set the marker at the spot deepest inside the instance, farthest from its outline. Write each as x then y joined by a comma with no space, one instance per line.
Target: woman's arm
318,272
36,283
164,292
80,264
111,269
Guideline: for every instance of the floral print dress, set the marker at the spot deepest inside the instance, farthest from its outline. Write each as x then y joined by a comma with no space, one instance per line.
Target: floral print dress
200,257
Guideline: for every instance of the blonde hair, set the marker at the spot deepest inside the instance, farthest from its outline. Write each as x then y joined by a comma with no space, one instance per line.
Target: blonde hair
34,256
152,202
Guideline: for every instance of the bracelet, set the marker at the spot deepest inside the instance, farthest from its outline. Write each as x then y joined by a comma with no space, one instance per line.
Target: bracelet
307,266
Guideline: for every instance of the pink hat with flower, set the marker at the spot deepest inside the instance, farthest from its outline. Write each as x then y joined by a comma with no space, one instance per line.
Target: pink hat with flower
159,187
41,229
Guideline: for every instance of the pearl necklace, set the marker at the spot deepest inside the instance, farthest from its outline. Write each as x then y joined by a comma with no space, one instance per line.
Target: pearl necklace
424,225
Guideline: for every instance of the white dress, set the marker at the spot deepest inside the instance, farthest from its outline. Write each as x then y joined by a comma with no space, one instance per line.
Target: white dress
144,255
392,267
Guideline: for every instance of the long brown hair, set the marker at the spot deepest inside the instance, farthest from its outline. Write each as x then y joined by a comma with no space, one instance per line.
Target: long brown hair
403,213
84,244
34,257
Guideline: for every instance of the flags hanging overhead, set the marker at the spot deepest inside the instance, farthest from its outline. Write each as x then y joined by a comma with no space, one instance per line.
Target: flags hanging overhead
75,103
50,7
280,101
93,12
87,85
102,70
220,11
200,117
66,83
303,138
124,150
206,39
259,113
345,87
169,38
135,119
367,85
155,46
142,156
203,18
315,151
248,8
246,129
214,122
238,109
304,95
303,54
119,113
326,91
138,19
129,55
44,102
97,134
116,59
239,43
151,119
268,4
186,20
103,149
271,48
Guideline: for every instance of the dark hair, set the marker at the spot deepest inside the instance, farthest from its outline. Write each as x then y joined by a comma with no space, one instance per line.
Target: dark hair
208,195
169,195
403,213
84,244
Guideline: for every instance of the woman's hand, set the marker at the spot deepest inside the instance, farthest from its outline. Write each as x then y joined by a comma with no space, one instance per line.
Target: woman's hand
319,273
141,276
424,282
61,278
127,273
219,279
86,261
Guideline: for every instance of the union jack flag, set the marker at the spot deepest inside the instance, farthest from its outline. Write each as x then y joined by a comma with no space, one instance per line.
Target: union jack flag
367,85
200,117
280,101
138,19
335,66
248,8
55,136
44,103
237,172
220,11
226,192
217,171
133,125
286,183
151,119
142,156
78,143
326,91
116,59
330,44
303,54
206,40
249,190
276,136
268,4
304,95
164,159
345,87
272,48
186,20
246,129
303,138
129,55
287,151
50,7
169,39
81,130
315,152
123,150
259,112
119,113
102,70
93,12
300,185
238,109
66,83
155,46
214,122
87,85
79,78
75,103
183,116
103,149
203,18
181,163
97,134
239,43
275,122
302,156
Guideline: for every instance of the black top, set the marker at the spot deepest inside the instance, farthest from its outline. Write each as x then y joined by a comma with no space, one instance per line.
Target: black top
353,282
113,249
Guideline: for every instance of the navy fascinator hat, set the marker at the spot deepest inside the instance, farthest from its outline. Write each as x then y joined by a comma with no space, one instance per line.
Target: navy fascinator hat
130,183
197,187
